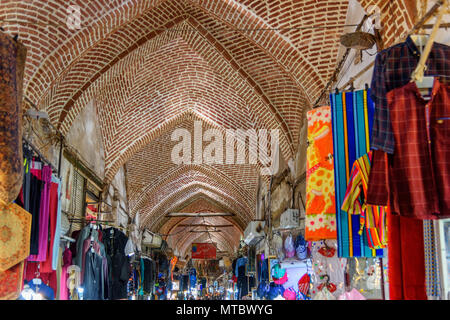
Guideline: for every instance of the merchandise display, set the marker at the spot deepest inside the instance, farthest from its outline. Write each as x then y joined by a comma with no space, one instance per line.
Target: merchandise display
266,150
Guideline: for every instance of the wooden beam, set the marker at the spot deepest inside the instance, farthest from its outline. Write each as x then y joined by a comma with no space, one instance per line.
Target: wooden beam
195,215
206,225
204,231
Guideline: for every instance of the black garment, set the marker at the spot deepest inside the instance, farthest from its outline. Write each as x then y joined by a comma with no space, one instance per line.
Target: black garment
148,276
93,288
203,282
31,193
26,186
118,264
184,285
242,282
242,286
36,186
233,266
163,264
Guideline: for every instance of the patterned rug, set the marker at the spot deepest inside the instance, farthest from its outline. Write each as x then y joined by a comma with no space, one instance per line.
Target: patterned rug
15,233
11,282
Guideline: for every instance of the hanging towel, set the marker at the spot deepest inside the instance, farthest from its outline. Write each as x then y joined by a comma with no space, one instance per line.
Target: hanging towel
320,194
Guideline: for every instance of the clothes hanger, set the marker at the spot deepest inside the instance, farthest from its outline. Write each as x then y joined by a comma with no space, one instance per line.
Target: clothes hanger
426,83
37,281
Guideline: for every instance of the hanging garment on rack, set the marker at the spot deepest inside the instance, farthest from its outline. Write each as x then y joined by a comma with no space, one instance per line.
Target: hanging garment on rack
24,195
406,259
57,233
48,278
47,265
93,277
373,218
46,176
419,169
115,241
432,267
86,233
46,292
66,262
320,193
31,194
12,65
352,114
327,263
393,69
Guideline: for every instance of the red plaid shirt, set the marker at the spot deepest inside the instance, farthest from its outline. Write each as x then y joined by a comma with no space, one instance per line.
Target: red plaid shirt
393,69
419,170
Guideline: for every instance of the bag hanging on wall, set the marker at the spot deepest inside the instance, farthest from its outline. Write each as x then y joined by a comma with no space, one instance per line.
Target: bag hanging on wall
289,247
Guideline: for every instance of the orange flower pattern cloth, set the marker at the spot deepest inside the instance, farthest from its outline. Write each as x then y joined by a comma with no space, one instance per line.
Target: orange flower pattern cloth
320,192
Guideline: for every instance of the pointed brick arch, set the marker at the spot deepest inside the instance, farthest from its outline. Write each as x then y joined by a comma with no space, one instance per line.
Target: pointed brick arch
181,174
154,215
188,188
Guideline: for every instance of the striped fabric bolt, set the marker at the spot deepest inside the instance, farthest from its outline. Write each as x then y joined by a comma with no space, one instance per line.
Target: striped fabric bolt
352,121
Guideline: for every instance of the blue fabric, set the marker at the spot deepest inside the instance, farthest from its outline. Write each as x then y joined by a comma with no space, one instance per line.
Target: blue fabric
352,121
43,289
56,240
240,262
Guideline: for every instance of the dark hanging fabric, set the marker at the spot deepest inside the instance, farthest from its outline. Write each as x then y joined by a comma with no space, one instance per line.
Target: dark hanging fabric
148,275
24,196
184,286
233,266
93,289
36,186
30,199
115,242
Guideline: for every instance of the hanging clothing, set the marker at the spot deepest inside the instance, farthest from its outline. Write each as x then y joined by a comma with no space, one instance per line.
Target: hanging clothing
419,170
47,265
432,266
24,195
406,258
86,233
57,232
46,176
241,262
115,241
48,278
393,69
352,114
46,292
67,261
320,191
93,277
373,218
30,199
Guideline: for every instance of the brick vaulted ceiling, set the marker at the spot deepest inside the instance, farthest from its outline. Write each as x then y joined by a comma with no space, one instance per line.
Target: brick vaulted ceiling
155,65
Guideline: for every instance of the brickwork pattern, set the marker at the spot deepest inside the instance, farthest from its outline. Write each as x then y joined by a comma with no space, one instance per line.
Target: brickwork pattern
155,65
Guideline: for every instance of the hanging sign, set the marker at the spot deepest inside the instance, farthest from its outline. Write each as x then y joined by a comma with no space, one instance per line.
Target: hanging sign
204,251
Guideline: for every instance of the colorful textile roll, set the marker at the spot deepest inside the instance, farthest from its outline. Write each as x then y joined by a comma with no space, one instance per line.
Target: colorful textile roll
373,218
352,118
320,196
